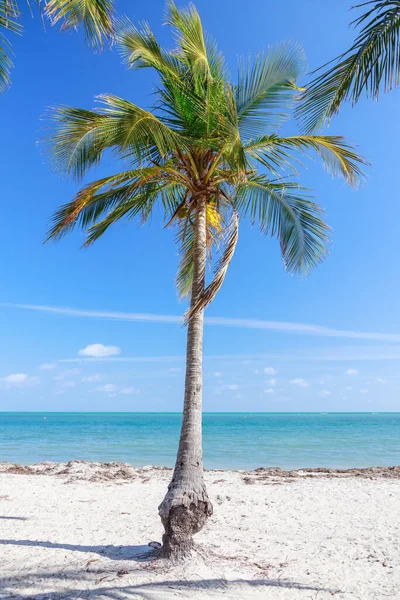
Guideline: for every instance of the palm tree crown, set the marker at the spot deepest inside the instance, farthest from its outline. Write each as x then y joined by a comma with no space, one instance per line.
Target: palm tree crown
373,59
206,139
94,15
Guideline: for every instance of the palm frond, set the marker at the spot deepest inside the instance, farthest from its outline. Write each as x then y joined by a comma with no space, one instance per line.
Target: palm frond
82,136
230,241
337,155
9,14
190,36
283,211
140,203
6,63
185,241
96,17
140,49
100,197
374,59
267,88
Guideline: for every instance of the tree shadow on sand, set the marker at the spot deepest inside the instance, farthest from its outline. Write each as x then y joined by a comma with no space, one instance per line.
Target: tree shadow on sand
137,553
160,590
79,583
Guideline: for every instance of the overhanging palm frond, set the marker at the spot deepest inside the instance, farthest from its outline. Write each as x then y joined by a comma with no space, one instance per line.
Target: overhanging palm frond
96,16
373,59
9,14
337,155
267,88
6,63
283,211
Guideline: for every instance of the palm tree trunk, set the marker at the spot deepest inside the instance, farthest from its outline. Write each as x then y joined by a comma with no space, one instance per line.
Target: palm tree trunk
186,505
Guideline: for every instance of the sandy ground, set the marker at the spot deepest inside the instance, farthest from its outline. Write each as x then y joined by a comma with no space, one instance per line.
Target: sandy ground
82,530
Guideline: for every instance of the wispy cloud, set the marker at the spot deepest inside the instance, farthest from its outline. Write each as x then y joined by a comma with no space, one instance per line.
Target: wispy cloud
109,387
299,382
337,354
279,326
92,378
270,371
48,367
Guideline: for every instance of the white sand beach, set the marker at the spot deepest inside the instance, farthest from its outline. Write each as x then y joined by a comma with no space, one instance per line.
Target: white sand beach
81,530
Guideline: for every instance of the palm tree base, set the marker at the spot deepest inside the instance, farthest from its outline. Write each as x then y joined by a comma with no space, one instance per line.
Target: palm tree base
181,520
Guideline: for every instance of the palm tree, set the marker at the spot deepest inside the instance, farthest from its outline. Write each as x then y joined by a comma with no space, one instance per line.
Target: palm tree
373,60
94,15
197,154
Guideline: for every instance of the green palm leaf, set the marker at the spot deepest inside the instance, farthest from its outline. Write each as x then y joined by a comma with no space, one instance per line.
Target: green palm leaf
267,88
96,17
82,136
281,210
337,155
374,59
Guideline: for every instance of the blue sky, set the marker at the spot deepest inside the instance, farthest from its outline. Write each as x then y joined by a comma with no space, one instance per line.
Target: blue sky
272,342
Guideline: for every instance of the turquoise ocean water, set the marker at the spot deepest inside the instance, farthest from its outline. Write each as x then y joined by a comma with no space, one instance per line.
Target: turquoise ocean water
231,440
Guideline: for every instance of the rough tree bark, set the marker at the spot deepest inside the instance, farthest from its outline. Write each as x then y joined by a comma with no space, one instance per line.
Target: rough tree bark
186,505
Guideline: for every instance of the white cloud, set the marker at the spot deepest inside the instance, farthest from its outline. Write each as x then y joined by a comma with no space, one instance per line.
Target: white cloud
348,387
48,367
18,380
351,372
283,326
270,371
382,381
175,370
269,391
300,382
217,374
92,378
129,390
109,387
325,393
231,386
363,391
271,382
99,351
256,371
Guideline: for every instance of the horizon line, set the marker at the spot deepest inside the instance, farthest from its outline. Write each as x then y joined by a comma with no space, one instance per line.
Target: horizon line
246,323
